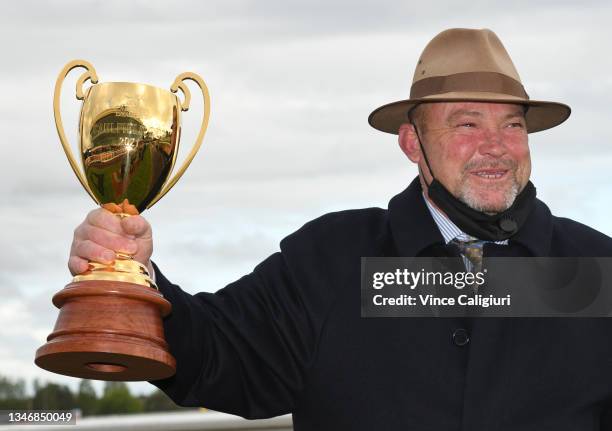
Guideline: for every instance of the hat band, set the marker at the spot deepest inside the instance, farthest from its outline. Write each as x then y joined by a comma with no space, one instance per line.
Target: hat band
491,82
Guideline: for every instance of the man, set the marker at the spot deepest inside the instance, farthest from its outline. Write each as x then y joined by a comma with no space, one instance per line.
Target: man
289,337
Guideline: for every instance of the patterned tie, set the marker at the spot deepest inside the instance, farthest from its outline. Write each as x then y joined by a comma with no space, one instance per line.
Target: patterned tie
470,249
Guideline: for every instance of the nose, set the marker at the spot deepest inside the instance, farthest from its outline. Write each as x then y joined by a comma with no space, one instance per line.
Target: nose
492,143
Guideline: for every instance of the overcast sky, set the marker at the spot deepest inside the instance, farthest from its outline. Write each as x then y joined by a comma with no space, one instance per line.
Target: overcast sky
292,84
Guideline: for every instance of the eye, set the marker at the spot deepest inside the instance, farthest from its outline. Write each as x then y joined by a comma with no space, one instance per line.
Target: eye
516,124
466,125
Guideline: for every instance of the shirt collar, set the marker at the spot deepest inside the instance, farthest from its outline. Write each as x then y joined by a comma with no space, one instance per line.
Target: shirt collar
449,229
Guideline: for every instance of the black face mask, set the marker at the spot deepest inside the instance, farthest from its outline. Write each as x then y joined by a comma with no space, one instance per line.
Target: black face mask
495,227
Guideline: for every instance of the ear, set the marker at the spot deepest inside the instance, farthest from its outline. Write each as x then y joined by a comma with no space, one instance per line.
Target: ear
409,142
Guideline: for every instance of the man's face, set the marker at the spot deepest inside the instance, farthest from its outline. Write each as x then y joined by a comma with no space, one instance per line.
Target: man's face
478,151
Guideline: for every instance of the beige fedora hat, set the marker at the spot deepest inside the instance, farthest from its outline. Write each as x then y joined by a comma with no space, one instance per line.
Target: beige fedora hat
461,65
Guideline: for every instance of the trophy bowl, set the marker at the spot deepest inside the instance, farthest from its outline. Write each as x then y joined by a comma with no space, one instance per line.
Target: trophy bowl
129,140
110,321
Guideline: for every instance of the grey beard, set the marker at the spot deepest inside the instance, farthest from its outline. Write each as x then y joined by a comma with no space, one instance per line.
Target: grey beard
470,198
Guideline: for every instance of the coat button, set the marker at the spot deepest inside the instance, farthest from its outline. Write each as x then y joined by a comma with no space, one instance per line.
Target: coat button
460,337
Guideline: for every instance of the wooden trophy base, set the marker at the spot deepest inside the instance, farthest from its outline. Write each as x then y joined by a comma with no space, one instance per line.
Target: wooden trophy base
108,330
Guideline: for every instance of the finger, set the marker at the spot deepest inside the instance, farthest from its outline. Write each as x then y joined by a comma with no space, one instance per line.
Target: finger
104,219
93,252
136,225
77,265
105,238
143,254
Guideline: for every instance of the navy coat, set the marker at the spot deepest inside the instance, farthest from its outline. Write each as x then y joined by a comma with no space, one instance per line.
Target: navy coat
288,338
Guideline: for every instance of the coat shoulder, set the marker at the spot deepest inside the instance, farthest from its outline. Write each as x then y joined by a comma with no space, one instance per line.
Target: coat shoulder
584,239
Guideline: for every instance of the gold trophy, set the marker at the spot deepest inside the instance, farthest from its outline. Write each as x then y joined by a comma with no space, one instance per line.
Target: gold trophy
110,321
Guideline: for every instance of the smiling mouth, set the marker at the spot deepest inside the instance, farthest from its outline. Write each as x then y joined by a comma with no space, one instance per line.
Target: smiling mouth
490,174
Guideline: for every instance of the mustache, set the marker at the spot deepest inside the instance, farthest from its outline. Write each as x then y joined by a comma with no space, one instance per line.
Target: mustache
510,165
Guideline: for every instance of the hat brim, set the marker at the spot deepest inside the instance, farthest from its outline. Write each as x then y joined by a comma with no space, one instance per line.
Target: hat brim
541,115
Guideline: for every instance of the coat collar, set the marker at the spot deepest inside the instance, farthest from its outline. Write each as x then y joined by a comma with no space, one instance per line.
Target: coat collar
536,233
413,228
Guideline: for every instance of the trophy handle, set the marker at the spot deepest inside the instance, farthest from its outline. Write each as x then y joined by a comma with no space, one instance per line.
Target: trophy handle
90,75
180,84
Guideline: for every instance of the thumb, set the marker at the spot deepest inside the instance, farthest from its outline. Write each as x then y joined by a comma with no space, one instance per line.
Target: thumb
136,225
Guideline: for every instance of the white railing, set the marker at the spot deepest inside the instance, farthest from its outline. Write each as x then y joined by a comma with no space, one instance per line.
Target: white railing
166,421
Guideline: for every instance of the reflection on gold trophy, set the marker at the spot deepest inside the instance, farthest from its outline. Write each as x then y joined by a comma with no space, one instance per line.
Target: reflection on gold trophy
109,326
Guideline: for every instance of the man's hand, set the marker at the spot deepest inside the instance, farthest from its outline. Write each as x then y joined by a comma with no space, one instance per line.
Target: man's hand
102,234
